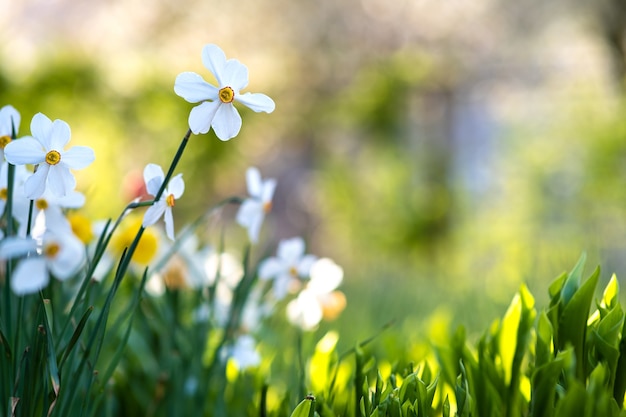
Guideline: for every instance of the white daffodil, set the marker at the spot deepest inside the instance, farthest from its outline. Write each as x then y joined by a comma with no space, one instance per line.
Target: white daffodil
9,125
253,210
216,109
54,253
45,149
154,177
319,299
50,208
288,267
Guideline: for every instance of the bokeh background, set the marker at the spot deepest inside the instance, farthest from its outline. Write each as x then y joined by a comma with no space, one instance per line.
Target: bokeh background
442,151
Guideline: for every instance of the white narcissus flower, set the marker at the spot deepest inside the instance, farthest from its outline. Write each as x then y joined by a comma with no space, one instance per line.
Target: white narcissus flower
9,125
216,109
45,149
319,299
154,177
253,209
51,208
54,253
290,265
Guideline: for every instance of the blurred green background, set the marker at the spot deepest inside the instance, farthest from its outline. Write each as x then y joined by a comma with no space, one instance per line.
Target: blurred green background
442,152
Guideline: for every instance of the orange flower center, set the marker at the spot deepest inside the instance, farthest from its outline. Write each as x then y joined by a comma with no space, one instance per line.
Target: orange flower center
51,250
41,204
227,95
53,157
267,207
170,200
4,141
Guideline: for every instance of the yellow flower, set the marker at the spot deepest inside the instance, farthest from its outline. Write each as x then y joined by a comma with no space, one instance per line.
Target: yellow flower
81,226
124,236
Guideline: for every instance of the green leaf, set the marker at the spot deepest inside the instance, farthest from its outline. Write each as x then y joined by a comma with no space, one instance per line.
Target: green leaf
556,286
611,293
77,332
5,343
306,408
543,353
573,322
544,380
572,283
53,370
619,387
574,401
446,407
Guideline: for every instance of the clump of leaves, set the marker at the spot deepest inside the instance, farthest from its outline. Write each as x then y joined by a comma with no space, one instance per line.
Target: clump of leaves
559,362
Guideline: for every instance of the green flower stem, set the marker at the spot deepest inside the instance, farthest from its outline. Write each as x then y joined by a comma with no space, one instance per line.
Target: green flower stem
131,250
8,214
108,234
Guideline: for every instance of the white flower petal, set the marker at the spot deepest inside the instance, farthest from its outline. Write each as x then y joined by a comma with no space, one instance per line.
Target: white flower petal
235,76
214,60
59,135
244,353
73,199
291,250
30,276
54,219
253,181
193,88
281,285
201,116
227,122
270,268
176,186
305,311
153,177
9,120
60,180
78,157
67,261
257,102
40,128
12,247
154,213
35,185
326,276
304,265
26,150
250,215
268,190
169,223
254,228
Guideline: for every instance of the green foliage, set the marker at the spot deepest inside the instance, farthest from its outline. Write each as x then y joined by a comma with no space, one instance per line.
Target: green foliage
559,362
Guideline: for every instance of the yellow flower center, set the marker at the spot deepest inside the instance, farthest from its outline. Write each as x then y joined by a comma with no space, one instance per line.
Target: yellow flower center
4,141
41,204
227,95
81,226
267,207
170,200
293,272
51,249
4,193
53,157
